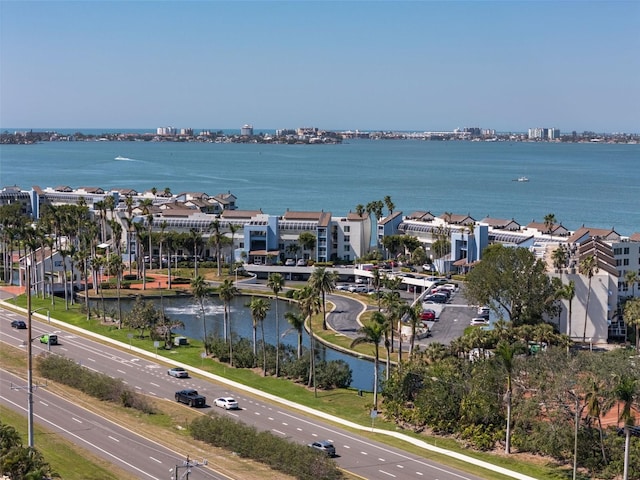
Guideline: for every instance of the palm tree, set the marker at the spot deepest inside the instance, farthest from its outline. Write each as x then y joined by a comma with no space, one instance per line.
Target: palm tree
595,408
373,332
377,281
259,308
549,222
390,205
414,319
309,304
233,228
216,239
360,210
161,240
505,353
391,302
631,317
114,265
308,242
568,292
559,258
195,237
323,281
631,277
589,267
296,320
150,227
626,391
276,282
227,291
200,292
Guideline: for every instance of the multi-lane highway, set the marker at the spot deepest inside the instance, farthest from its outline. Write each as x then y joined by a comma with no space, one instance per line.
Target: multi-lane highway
360,455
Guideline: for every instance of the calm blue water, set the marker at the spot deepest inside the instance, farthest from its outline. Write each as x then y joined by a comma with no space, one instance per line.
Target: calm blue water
593,184
186,310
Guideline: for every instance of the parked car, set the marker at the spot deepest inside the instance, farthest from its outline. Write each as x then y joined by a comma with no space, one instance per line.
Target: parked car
290,262
324,446
483,312
437,297
358,289
227,403
178,372
191,397
49,338
19,324
342,288
428,315
479,321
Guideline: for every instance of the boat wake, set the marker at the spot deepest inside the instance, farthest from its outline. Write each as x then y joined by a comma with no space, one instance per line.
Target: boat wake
126,159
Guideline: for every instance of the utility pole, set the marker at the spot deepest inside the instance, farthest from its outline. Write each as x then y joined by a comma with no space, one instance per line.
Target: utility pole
187,465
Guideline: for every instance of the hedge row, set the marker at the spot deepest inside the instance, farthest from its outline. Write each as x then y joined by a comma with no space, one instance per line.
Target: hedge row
278,453
98,385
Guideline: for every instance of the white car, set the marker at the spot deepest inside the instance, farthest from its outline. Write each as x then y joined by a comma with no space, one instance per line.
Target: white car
178,372
479,321
301,262
290,262
227,403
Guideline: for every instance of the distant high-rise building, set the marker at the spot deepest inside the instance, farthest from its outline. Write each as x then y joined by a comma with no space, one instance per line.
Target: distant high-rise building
544,133
166,131
246,130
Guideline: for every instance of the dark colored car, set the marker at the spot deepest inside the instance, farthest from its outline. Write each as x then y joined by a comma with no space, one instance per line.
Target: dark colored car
324,446
191,397
437,297
19,324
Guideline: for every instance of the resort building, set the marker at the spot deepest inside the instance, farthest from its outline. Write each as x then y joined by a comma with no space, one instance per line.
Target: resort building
253,237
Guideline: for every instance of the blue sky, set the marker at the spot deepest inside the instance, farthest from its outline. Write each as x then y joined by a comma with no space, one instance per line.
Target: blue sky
421,65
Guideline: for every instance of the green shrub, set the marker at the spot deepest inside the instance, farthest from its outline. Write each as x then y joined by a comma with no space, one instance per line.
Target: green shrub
278,453
98,385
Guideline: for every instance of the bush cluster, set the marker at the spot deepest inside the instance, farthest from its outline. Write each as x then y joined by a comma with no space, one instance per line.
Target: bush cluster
278,453
329,375
98,385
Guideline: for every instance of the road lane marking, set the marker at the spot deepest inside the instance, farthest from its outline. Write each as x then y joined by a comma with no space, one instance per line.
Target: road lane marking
155,460
278,431
114,439
387,473
76,419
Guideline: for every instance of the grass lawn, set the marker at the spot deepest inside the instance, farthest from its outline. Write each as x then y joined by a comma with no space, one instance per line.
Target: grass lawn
344,403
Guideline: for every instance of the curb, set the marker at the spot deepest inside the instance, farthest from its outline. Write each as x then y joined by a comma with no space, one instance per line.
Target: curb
283,401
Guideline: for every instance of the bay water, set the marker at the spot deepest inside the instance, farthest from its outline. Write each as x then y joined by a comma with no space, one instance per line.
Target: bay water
592,184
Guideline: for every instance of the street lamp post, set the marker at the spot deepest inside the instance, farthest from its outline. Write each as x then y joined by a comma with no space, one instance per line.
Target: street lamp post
30,355
29,360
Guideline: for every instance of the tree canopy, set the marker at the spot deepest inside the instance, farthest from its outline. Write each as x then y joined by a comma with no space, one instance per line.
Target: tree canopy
513,282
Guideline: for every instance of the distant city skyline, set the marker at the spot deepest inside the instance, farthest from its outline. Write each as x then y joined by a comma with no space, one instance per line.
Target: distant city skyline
335,65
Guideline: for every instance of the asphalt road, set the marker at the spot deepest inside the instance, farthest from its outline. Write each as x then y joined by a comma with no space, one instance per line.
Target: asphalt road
120,446
357,454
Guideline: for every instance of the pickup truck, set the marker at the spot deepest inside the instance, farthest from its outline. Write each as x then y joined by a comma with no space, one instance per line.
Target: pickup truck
191,397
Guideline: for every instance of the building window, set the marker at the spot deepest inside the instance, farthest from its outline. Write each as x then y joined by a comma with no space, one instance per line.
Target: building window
347,248
626,250
347,228
626,261
347,238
